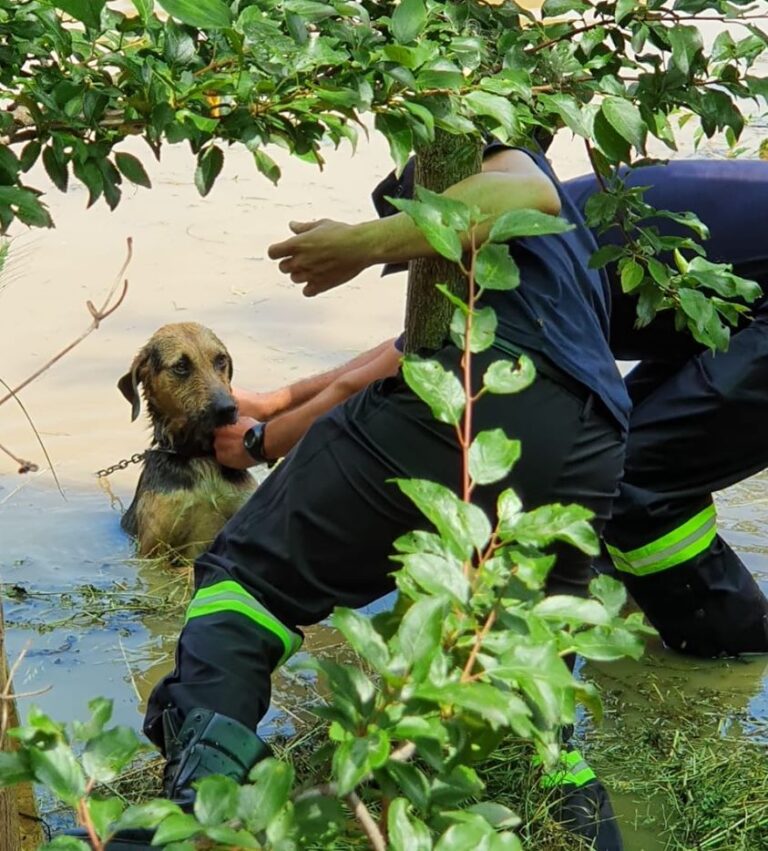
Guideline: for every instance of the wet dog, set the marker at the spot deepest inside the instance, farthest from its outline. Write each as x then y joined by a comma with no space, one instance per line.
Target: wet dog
184,496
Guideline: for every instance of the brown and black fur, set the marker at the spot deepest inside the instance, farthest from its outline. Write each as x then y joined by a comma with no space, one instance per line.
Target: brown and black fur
184,496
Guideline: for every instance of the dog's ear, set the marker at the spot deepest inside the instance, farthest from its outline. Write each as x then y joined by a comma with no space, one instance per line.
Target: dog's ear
128,385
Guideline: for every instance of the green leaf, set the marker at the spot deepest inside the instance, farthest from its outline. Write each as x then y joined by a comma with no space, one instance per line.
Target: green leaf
147,815
310,10
453,214
604,255
495,814
260,803
398,133
175,828
205,14
436,386
437,573
66,843
354,759
216,800
130,167
56,167
363,637
25,205
58,770
104,812
632,275
428,220
491,456
569,109
463,526
482,332
495,269
406,832
495,106
29,154
107,754
144,8
610,142
686,43
498,708
267,166
719,277
624,8
420,633
626,120
461,837
14,768
576,611
506,376
524,223
412,782
606,645
611,593
408,20
87,11
548,523
209,165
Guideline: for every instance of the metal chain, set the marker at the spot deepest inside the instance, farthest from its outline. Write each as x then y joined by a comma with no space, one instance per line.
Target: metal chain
121,465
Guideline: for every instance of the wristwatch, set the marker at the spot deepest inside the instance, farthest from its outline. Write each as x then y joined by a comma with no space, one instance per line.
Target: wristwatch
253,441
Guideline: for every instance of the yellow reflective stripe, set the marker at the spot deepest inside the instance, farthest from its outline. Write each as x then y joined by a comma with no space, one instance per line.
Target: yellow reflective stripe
680,545
229,596
574,772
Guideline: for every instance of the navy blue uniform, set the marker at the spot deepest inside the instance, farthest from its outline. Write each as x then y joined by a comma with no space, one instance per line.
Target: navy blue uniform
697,423
318,533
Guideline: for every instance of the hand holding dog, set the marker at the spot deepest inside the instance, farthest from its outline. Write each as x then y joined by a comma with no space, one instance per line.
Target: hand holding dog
323,254
228,444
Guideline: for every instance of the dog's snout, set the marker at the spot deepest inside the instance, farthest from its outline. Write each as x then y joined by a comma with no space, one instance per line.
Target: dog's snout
224,410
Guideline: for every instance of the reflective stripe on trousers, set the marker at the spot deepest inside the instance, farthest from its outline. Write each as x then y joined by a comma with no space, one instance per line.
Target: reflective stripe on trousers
230,596
573,771
680,545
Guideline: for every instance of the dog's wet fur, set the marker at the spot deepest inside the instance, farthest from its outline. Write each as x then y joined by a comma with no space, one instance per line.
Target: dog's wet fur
184,496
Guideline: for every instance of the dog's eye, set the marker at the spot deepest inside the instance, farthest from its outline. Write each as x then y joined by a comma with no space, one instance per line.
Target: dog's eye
221,363
181,367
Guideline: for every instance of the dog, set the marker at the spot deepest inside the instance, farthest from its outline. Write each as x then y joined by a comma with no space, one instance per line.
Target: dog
184,496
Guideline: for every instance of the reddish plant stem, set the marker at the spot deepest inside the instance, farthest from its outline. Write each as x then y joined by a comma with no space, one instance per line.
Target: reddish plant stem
479,638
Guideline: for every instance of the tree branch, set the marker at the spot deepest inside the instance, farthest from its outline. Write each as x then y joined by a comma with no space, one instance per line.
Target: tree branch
98,314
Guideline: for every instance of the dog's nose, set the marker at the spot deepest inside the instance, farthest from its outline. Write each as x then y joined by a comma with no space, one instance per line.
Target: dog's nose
225,412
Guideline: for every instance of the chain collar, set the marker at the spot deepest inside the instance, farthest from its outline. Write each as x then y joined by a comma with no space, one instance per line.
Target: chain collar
136,458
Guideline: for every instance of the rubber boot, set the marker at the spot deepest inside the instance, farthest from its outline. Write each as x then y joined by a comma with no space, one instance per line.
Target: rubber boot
206,743
587,812
582,804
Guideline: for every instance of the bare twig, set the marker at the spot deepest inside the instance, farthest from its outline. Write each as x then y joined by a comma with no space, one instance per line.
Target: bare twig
28,466
24,466
98,314
367,822
7,694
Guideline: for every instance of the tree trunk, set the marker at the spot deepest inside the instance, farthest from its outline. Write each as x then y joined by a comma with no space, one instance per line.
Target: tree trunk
19,827
446,161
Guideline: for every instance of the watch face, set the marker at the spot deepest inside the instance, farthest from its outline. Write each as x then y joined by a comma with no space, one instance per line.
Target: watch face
252,440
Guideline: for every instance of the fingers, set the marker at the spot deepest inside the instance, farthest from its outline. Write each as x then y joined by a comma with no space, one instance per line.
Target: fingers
303,227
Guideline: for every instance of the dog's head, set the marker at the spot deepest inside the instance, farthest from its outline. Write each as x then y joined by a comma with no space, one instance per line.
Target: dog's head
185,372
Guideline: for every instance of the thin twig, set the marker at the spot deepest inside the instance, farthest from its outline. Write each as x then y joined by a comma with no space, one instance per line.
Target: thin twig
24,466
98,316
7,693
29,467
367,822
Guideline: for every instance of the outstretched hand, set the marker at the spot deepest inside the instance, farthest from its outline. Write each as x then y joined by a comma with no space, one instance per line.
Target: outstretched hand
322,254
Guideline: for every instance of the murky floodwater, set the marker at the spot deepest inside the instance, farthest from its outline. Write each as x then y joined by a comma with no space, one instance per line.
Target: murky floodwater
93,622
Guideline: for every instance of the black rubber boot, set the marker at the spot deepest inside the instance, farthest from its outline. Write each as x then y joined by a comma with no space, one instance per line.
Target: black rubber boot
206,743
587,812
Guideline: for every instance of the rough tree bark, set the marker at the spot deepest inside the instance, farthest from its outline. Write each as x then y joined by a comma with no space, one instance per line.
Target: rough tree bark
428,313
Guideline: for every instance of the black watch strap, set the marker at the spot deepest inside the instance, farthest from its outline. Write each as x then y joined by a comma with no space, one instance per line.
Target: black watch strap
253,441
